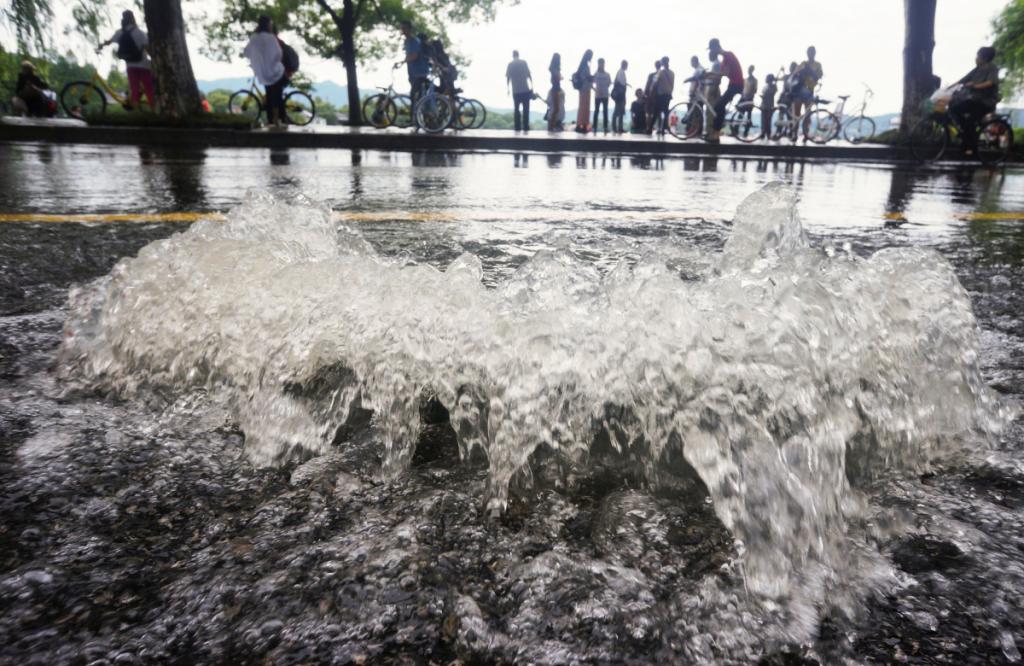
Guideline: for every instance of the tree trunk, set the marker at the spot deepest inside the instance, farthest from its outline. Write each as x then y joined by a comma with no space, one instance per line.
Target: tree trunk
178,94
346,24
348,56
918,44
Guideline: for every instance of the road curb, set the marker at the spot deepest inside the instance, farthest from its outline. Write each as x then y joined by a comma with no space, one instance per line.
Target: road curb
409,142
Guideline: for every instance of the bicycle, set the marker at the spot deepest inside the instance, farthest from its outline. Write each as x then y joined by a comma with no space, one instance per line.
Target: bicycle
299,108
469,113
859,128
389,107
90,98
434,111
746,116
817,124
686,119
931,136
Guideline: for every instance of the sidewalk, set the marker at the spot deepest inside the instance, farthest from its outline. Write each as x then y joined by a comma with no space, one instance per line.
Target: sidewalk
70,131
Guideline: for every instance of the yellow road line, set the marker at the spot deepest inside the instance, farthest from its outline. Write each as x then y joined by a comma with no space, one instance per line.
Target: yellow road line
402,216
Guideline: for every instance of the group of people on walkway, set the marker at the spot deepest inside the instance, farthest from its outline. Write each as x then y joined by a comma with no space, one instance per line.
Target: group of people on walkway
649,112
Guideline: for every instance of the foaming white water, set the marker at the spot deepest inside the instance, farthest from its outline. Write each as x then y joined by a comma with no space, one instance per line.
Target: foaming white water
777,370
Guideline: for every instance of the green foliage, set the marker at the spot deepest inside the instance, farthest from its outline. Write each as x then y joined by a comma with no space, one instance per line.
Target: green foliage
1009,43
31,19
376,23
218,99
56,71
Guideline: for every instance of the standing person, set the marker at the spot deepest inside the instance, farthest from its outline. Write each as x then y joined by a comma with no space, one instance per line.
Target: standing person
696,79
602,88
979,96
556,97
446,69
732,71
664,87
416,61
789,83
749,86
619,97
519,82
132,45
638,114
583,81
712,93
749,92
265,57
649,95
768,104
808,74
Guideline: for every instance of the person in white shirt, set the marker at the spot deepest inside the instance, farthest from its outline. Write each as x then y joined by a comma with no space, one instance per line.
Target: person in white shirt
696,79
264,54
602,86
663,87
132,44
519,82
619,97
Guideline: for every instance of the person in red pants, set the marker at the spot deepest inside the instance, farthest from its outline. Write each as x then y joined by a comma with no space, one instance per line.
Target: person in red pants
131,47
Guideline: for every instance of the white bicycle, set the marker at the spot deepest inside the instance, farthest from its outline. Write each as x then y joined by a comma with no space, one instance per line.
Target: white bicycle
857,128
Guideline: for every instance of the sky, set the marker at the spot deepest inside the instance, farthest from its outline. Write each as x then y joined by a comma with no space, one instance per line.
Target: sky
857,42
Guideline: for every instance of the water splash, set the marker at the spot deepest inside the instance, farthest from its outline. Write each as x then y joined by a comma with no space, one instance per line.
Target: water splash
778,370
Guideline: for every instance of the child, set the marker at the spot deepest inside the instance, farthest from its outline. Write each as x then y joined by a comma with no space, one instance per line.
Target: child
638,114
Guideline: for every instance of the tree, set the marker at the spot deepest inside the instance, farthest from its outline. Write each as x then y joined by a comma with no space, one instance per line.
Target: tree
357,31
178,92
30,20
1009,43
918,44
172,67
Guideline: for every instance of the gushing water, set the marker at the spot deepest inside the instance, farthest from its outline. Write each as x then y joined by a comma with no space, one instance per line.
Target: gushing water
783,373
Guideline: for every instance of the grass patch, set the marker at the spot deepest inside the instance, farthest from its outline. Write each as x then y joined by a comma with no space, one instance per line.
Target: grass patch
122,118
889,137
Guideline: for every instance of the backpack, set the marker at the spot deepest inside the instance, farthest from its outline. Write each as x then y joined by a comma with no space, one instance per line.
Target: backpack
127,49
576,79
289,58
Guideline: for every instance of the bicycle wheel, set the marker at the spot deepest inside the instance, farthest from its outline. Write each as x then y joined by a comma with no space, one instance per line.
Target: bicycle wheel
744,123
995,141
379,111
481,113
928,140
465,114
403,111
859,129
434,113
244,103
299,108
782,126
685,120
820,126
81,99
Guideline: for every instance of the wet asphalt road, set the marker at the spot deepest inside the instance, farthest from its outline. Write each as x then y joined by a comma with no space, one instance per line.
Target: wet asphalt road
138,533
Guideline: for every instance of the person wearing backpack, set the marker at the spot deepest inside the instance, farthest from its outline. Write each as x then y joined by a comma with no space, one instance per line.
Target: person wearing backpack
265,57
131,47
619,97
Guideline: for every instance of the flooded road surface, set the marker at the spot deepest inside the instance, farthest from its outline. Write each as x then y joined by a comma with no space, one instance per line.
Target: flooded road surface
507,408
